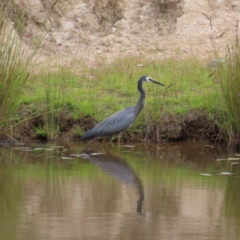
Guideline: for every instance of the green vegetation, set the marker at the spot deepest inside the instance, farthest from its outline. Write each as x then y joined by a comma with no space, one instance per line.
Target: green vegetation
107,88
58,98
15,63
229,110
16,66
53,103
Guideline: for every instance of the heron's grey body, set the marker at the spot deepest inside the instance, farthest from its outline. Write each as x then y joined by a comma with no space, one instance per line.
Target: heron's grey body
116,123
122,120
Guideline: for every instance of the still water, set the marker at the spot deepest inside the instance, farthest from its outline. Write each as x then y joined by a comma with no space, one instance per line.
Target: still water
73,191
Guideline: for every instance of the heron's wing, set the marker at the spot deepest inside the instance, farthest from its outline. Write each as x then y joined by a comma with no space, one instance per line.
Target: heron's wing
114,124
117,122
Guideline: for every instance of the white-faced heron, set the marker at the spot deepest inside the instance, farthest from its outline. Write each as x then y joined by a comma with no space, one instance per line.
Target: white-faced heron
122,120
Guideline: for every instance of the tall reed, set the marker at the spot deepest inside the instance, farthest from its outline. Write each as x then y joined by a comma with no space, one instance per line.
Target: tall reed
15,66
228,74
54,100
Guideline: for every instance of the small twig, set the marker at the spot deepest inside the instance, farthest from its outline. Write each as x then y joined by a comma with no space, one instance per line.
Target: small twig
208,18
157,134
170,85
10,137
54,5
212,73
223,32
237,35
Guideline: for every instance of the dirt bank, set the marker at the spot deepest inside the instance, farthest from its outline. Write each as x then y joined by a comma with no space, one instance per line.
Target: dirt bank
195,125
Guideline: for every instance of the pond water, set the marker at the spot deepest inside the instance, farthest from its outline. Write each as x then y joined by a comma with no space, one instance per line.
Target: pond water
73,191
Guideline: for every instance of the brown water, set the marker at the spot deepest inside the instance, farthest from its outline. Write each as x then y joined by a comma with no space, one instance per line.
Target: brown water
165,191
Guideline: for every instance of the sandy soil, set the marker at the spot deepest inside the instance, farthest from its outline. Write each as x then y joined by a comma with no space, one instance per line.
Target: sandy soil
86,29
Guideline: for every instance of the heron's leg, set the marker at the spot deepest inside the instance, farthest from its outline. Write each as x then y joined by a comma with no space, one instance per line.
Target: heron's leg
119,138
106,140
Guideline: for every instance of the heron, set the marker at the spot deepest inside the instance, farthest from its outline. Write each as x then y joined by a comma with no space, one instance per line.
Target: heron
119,122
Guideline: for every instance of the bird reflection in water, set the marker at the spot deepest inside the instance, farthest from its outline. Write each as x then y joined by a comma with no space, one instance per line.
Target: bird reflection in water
119,169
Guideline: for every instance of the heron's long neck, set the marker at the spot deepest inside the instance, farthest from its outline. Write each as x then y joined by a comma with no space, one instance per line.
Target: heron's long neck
140,103
142,93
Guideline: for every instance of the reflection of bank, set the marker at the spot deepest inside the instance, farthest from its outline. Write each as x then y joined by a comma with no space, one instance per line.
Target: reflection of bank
119,169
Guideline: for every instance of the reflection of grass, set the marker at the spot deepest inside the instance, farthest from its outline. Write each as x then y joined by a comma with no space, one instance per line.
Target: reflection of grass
74,169
153,172
231,203
10,198
55,188
174,176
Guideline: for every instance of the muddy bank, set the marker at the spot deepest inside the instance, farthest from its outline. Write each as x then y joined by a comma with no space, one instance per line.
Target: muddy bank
194,125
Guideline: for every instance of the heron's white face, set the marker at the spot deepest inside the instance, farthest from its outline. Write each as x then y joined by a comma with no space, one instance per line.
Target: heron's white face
148,79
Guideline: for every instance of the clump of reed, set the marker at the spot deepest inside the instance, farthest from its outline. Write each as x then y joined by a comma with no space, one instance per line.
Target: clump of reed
15,65
54,90
228,75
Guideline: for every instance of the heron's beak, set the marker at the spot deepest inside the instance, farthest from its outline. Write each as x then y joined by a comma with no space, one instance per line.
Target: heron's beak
154,81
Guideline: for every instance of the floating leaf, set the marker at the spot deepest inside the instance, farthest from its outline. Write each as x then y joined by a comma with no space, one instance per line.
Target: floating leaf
67,158
38,149
95,154
130,146
225,173
75,155
211,146
206,174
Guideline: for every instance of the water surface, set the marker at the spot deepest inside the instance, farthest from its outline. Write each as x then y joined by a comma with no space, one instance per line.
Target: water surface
74,191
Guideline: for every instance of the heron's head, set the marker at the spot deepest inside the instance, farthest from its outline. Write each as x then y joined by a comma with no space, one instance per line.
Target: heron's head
149,79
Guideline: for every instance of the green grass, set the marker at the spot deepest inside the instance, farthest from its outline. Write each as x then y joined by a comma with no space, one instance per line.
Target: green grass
190,88
228,77
15,64
106,88
16,61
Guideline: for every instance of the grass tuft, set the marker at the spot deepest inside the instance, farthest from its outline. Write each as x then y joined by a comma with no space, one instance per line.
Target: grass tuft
15,65
228,74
